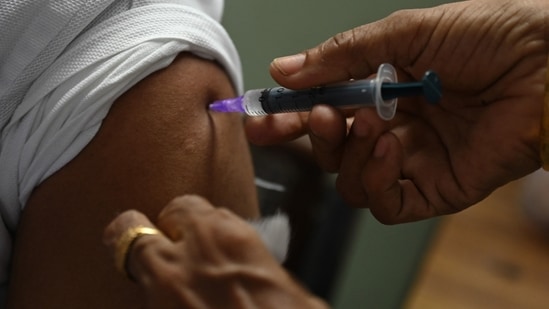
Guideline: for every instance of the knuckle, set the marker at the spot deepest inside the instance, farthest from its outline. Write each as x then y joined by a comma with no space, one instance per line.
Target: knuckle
343,41
189,199
340,40
344,51
398,15
185,203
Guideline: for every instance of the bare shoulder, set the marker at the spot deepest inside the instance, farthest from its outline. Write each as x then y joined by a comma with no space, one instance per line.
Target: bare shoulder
158,141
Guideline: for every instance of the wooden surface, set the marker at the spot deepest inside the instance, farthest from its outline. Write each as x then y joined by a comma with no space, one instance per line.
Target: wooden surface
489,256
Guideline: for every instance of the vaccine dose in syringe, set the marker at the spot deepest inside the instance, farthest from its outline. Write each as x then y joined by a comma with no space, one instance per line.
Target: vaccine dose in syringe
381,92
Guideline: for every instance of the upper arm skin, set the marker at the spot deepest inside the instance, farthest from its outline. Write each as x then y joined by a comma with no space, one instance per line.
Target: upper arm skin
158,141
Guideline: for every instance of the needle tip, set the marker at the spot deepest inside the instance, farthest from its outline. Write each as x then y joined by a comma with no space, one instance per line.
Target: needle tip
228,105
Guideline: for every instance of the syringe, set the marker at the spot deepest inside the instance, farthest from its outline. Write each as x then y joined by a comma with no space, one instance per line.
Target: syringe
381,91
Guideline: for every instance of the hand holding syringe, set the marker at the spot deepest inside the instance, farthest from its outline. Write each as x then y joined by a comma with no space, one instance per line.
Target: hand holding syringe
381,92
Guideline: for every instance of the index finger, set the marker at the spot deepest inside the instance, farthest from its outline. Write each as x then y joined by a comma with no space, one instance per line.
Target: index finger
356,53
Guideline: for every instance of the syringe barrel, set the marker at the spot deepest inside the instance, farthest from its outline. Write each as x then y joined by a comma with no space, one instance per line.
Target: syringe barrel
281,100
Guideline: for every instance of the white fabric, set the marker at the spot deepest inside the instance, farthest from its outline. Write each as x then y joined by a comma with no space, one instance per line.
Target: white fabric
64,62
275,233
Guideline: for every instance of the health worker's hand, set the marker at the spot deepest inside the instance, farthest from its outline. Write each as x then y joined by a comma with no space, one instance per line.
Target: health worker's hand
430,160
205,257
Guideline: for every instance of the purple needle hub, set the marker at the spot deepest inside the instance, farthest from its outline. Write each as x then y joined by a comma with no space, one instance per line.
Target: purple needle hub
228,105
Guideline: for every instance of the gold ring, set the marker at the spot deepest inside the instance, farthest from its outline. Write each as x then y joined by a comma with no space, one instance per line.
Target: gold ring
125,243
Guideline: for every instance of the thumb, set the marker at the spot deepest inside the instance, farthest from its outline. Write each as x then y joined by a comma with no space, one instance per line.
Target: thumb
354,54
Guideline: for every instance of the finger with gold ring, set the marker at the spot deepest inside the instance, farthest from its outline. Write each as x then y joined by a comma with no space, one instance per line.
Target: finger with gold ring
125,243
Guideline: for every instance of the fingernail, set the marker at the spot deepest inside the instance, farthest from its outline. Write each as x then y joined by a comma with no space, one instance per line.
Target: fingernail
290,64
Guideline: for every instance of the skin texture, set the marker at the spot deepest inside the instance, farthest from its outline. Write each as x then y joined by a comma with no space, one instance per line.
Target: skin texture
207,257
491,57
157,142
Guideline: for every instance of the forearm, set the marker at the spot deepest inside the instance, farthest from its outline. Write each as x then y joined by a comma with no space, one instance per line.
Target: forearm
158,141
